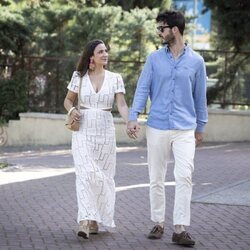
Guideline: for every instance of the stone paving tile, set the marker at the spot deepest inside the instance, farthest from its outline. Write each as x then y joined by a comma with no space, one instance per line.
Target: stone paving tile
41,213
234,194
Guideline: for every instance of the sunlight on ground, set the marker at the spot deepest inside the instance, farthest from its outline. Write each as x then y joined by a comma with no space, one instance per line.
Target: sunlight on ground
21,173
126,149
213,146
12,177
125,188
35,154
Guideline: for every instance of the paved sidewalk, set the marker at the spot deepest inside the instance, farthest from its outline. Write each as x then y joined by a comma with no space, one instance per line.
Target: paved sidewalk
38,201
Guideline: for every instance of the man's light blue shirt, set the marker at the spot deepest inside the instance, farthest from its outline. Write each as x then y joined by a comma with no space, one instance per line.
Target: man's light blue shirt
177,90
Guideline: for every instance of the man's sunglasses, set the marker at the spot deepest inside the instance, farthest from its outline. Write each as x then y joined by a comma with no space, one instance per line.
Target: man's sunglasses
161,28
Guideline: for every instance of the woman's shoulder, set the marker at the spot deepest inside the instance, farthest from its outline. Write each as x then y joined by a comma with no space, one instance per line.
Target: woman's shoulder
76,74
112,74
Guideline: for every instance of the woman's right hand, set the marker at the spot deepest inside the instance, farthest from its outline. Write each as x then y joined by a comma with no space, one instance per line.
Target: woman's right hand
76,115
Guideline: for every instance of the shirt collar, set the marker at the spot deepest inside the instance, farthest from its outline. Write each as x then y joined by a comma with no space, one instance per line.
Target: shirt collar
184,49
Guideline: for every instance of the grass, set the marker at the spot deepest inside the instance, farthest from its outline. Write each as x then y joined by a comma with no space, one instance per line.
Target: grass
3,165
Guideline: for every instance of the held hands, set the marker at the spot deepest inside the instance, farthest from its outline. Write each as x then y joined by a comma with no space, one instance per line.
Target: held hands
133,129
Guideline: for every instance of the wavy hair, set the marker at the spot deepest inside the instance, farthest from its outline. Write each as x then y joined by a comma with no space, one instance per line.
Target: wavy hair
88,51
172,18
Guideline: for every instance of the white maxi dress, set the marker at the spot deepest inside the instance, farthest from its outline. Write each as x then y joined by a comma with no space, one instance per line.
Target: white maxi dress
94,149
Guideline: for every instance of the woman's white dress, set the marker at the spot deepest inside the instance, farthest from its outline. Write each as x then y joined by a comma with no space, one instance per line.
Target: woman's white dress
94,149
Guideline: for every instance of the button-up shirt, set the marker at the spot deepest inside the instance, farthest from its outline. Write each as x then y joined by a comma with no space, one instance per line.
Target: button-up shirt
177,90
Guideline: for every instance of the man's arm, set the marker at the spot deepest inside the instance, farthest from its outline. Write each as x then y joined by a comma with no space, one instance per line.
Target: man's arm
140,99
200,102
142,91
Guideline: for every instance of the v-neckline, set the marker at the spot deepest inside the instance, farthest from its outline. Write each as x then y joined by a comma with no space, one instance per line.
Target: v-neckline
103,82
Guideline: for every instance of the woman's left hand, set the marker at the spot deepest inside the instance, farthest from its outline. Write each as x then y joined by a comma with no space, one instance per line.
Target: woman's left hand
76,115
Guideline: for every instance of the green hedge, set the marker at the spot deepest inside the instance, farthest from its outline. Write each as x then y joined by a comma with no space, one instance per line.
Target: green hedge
13,95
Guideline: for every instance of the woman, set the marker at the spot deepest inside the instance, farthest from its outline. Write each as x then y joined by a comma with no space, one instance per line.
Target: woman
94,145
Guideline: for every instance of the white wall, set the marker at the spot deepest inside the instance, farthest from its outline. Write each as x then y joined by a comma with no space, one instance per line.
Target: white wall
226,126
49,129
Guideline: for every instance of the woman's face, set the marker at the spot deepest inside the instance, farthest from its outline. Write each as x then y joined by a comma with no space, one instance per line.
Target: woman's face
100,56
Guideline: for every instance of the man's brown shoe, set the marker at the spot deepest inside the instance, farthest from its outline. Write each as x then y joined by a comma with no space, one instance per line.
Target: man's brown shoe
93,227
156,232
184,238
83,230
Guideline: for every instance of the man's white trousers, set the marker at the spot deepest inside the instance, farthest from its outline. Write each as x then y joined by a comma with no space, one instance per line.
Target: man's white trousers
160,143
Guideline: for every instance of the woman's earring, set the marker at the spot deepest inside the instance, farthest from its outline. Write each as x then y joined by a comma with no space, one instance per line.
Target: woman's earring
91,64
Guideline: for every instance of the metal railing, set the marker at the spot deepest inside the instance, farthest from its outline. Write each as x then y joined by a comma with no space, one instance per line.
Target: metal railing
47,78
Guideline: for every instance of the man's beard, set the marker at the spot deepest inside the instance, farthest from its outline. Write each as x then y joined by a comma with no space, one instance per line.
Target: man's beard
168,40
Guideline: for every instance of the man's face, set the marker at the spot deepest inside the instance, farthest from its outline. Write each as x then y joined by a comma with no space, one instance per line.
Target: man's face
165,33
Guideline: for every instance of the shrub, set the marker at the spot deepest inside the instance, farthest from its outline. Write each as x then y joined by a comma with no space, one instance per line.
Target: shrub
13,95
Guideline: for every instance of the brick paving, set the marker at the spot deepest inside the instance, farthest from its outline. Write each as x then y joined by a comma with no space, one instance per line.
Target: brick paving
38,202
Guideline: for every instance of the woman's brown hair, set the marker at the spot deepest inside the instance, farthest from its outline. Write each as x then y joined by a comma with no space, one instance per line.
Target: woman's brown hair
88,51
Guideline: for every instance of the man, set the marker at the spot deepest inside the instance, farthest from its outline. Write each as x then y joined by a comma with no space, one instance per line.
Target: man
174,77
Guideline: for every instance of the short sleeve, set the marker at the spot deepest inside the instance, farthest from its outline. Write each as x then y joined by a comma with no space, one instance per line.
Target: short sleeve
119,85
74,82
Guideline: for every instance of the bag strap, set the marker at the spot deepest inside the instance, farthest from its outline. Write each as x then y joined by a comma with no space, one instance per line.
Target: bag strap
79,94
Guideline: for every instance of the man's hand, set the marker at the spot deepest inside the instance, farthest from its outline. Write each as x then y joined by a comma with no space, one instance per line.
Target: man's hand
198,138
133,129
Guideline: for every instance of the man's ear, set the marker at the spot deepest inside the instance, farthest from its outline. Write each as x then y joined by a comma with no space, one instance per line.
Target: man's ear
175,29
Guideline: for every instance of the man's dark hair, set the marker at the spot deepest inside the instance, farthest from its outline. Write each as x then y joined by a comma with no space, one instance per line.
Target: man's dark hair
172,18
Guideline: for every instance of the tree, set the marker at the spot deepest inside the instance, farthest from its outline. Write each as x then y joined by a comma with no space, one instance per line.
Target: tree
14,33
232,33
231,19
132,4
60,28
133,38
